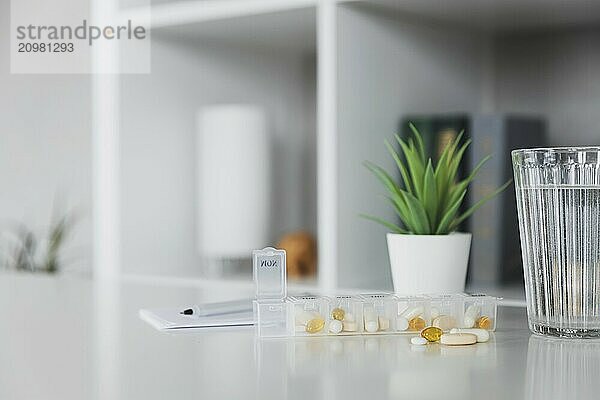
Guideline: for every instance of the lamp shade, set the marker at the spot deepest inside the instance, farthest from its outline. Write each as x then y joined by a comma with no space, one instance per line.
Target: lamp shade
234,181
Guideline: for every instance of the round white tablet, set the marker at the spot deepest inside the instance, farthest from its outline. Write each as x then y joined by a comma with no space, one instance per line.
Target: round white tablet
335,326
418,340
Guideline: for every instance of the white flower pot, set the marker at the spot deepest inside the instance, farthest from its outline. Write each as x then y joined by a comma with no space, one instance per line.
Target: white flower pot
429,263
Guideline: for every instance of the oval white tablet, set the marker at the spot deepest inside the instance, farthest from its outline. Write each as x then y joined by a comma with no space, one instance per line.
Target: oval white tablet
468,322
401,324
384,323
482,335
371,326
458,339
370,319
471,315
349,326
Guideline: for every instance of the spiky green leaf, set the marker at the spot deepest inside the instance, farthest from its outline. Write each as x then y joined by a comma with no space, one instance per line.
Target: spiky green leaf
417,211
392,227
401,167
430,194
416,168
449,216
419,141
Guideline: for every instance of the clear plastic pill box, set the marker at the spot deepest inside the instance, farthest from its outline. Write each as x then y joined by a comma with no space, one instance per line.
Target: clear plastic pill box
446,311
279,315
480,311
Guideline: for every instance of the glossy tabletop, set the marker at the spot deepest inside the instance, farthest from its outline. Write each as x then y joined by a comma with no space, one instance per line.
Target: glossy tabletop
66,338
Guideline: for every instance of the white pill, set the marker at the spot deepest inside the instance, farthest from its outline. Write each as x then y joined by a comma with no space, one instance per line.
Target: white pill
444,322
335,326
370,319
471,314
418,340
371,326
458,339
401,324
482,335
384,323
468,322
349,326
413,312
349,317
434,312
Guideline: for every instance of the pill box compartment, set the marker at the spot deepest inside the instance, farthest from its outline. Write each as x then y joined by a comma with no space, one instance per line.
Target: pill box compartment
270,318
411,314
345,316
446,311
379,313
308,315
480,311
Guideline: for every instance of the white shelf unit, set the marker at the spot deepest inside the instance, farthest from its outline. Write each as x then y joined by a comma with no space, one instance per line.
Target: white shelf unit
203,53
361,66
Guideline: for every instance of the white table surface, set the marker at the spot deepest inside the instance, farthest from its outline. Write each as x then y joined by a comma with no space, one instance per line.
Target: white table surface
74,339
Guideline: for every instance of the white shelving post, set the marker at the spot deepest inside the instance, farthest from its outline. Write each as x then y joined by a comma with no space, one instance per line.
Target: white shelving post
327,145
105,151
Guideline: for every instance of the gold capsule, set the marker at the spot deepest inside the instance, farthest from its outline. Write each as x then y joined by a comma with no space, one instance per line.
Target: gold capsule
432,333
416,324
315,325
338,313
484,322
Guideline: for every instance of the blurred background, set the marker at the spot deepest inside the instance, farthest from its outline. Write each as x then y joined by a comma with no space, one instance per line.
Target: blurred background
253,124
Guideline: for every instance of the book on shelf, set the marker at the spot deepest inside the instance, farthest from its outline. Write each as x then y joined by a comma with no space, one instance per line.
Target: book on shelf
495,248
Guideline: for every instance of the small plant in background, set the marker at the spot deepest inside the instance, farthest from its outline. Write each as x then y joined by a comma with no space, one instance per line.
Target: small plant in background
30,253
429,198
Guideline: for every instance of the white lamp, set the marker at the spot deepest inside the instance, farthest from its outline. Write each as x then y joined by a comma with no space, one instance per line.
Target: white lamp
234,181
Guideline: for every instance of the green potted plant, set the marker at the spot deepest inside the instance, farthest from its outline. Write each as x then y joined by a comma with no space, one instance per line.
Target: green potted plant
426,253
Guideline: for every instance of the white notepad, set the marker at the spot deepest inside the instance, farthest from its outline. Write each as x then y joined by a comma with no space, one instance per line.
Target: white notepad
165,319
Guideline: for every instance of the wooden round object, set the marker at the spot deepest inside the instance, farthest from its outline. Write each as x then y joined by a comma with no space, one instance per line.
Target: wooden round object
301,254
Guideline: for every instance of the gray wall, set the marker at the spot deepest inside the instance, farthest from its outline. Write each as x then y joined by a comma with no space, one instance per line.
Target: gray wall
556,75
388,68
45,150
159,136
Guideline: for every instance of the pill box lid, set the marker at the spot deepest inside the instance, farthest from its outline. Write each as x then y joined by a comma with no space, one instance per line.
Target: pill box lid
269,270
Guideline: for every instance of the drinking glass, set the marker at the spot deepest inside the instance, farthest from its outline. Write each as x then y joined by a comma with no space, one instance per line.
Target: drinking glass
558,200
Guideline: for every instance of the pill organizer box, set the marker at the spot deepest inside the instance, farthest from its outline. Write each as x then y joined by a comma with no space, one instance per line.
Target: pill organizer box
279,315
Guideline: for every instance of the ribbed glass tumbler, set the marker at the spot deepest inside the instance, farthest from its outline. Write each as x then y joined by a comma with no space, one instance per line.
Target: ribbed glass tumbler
558,200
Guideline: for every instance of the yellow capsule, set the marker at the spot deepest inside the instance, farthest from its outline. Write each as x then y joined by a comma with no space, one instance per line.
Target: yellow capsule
338,313
416,324
484,322
315,325
432,333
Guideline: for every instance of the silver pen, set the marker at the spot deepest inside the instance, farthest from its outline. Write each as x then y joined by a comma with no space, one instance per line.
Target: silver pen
220,308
